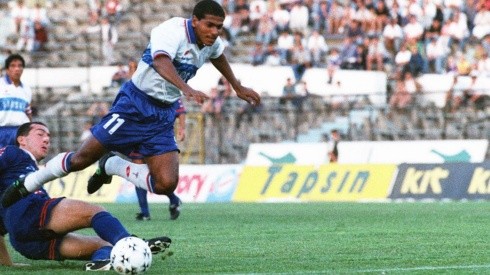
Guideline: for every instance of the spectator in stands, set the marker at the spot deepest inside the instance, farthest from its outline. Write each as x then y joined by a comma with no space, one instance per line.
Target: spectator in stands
333,150
40,36
300,58
463,66
257,56
417,64
285,44
281,18
334,61
376,53
266,30
434,30
110,37
392,36
95,10
337,19
113,11
481,22
298,21
360,62
233,25
120,76
458,29
483,65
272,57
258,9
317,46
20,14
354,31
348,53
381,16
242,11
26,37
288,93
319,16
413,30
39,14
436,53
364,16
15,95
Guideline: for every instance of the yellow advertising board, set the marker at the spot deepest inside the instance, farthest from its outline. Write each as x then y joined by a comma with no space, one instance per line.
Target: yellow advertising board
330,182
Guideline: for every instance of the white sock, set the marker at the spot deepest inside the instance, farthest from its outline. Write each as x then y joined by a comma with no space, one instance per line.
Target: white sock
138,174
57,167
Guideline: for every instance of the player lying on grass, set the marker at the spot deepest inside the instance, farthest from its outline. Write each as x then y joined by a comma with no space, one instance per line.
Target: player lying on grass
41,227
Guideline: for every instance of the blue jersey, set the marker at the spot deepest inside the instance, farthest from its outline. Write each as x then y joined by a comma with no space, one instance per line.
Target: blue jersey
25,220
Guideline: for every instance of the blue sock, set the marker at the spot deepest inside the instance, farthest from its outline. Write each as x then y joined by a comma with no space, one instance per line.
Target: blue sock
173,198
103,253
143,201
108,228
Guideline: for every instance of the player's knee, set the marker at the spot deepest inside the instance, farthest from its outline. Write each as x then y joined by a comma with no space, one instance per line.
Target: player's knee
166,186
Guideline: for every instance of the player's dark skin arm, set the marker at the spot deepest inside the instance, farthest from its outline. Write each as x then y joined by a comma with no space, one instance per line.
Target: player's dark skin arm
247,94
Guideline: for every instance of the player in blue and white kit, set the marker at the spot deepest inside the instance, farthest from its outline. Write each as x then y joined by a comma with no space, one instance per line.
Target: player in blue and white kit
141,118
15,100
41,227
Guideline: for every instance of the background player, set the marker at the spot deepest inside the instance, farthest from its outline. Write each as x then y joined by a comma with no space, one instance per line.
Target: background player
141,117
15,99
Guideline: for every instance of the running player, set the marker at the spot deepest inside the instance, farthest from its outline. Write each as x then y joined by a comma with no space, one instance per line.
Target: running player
141,118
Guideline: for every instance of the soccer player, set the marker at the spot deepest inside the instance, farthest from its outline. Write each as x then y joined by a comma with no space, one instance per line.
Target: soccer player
15,100
41,227
175,202
140,121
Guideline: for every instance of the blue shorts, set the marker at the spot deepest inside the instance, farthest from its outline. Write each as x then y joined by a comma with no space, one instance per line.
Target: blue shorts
25,221
7,135
137,125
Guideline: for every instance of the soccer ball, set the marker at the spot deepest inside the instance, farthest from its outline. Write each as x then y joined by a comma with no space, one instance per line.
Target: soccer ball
131,255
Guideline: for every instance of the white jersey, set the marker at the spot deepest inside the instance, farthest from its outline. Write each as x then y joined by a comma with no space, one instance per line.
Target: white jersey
176,39
14,103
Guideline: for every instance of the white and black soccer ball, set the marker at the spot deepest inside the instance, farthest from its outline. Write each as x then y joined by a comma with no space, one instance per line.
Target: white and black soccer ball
131,255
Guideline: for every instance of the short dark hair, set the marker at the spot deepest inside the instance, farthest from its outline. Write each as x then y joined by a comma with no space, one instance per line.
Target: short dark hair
13,57
208,7
25,129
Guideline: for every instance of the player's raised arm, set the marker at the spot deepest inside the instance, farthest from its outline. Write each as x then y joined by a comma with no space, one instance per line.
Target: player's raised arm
245,93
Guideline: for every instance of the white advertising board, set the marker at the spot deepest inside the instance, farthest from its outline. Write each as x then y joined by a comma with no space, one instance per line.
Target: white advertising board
197,183
290,153
429,151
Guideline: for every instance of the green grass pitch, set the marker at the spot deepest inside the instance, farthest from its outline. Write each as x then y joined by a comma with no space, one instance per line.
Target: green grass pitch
308,238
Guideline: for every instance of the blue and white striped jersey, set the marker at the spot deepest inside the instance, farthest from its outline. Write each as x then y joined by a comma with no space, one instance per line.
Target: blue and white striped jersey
176,39
14,103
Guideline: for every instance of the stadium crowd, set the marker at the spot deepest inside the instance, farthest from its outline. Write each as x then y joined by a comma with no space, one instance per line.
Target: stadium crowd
404,38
